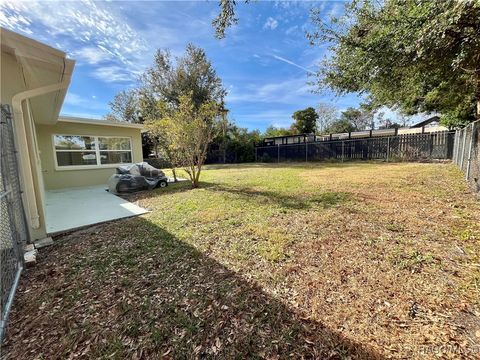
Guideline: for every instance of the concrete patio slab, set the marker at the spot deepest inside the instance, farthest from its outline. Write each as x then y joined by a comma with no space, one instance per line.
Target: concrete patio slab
73,208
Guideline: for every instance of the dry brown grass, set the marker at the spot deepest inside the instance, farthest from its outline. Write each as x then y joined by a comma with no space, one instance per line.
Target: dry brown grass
359,260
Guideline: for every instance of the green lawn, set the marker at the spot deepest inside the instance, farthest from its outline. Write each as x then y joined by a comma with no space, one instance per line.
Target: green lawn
353,260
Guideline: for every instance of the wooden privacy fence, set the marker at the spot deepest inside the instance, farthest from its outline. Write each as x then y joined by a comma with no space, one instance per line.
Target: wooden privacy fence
466,153
414,147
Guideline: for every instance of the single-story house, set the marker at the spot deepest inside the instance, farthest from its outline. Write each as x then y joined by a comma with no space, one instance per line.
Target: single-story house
55,153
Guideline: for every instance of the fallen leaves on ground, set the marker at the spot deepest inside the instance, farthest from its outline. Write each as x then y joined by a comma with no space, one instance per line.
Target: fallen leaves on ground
354,260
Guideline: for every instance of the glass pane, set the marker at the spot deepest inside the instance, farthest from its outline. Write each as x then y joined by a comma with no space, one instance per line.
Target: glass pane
114,143
72,142
115,157
72,158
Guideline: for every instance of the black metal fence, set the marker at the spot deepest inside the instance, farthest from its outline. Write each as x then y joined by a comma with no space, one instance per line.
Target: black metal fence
13,230
411,147
466,153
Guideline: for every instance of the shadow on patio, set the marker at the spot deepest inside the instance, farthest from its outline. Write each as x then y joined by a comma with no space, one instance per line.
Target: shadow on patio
129,289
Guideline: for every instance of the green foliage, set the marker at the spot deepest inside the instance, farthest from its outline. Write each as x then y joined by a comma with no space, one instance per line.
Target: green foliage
235,144
242,143
190,129
179,101
273,131
191,74
417,56
359,118
305,121
340,126
389,124
158,131
125,107
225,18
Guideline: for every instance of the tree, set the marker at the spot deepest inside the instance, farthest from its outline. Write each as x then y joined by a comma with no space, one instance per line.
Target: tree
161,98
127,106
340,126
327,114
124,107
158,131
242,143
305,121
191,74
415,56
192,96
235,144
273,131
225,18
389,124
359,118
191,129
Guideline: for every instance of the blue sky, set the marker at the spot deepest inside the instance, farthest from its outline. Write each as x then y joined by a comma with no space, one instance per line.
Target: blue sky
264,61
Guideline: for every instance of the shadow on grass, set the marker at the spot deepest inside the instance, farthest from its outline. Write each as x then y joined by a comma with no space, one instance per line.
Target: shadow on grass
296,202
170,189
130,289
299,164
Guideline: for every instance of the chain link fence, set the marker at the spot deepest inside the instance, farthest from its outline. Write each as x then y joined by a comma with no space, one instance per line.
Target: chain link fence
411,147
13,230
466,153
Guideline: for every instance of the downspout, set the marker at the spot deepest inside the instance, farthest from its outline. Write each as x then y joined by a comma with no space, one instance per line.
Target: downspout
18,119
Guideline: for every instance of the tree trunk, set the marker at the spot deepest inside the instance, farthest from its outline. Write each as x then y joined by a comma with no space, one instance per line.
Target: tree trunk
478,95
197,177
193,177
174,172
478,107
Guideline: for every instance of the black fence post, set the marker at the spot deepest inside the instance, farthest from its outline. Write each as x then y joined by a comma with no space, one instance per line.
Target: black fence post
432,137
388,148
408,146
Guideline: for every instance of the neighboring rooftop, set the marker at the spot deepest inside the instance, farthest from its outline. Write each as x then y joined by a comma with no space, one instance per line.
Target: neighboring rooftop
433,119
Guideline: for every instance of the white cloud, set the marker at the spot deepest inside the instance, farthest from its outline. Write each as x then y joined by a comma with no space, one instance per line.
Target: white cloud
291,30
92,55
88,30
14,21
73,99
113,74
271,24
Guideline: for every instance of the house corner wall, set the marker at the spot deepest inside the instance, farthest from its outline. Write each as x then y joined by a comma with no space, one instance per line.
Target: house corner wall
12,82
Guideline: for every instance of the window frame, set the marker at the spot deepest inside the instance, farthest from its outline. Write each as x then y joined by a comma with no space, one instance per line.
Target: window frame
97,151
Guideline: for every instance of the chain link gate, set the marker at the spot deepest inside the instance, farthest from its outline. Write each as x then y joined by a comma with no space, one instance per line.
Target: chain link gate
13,229
466,154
